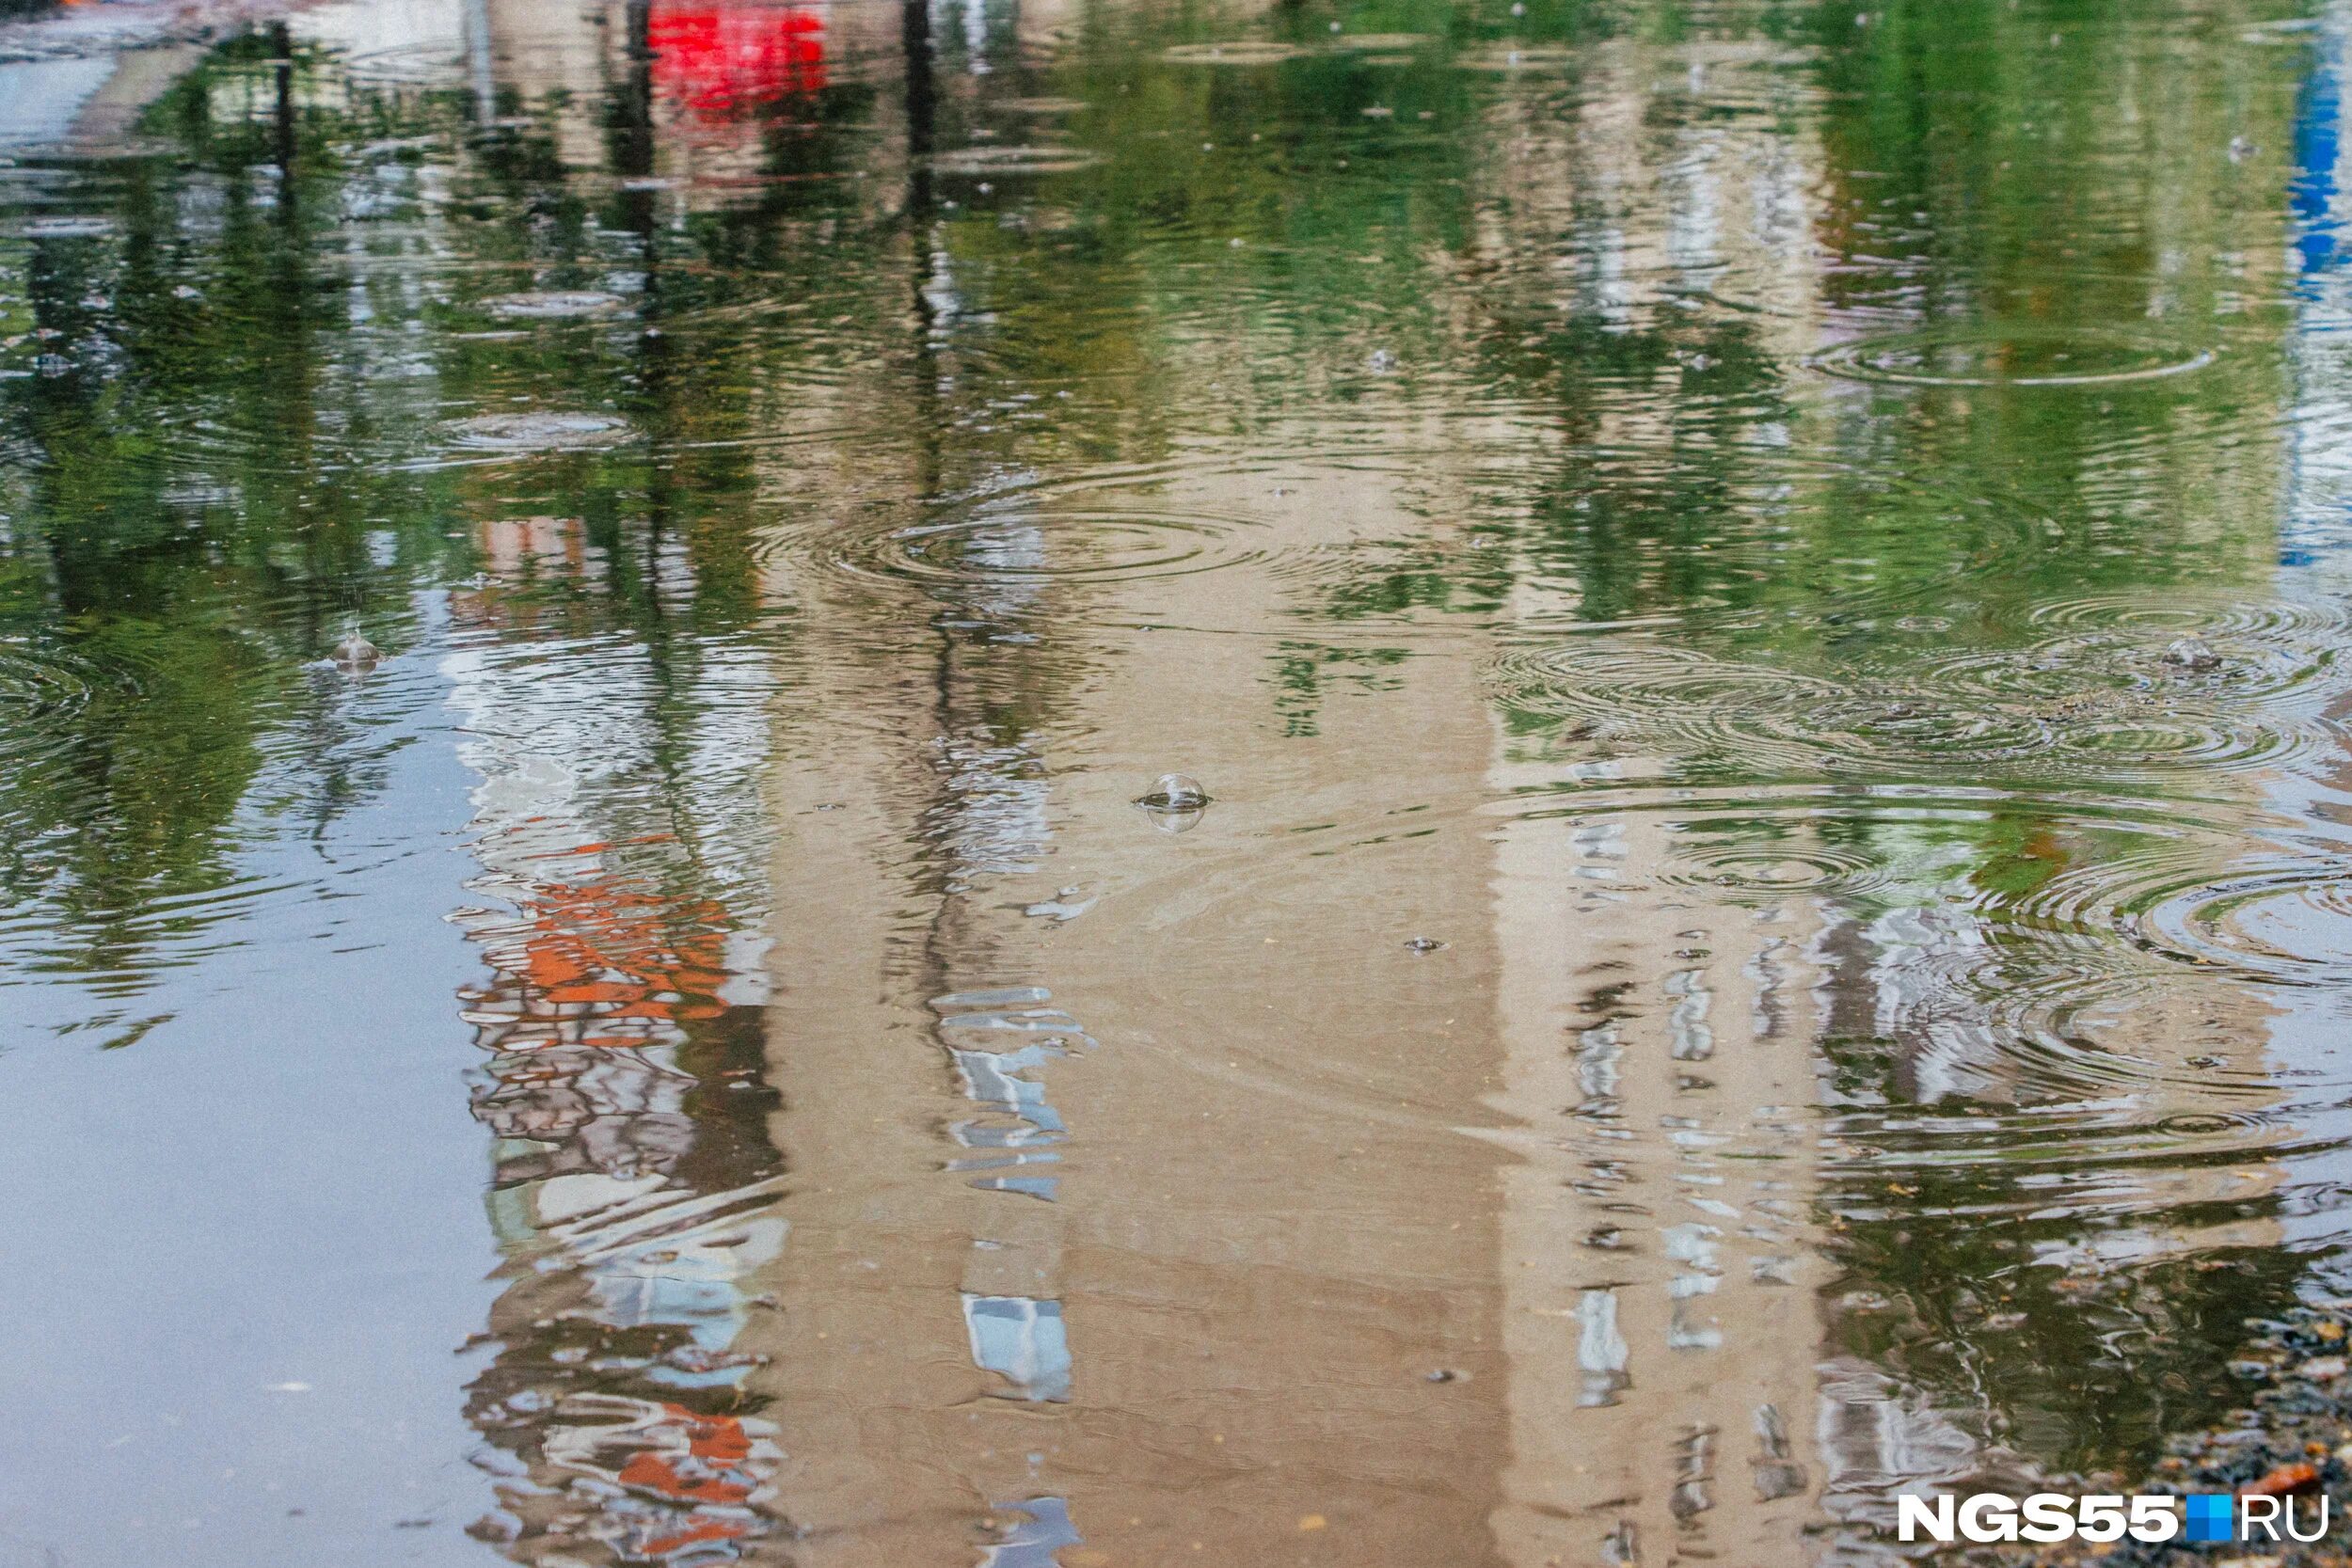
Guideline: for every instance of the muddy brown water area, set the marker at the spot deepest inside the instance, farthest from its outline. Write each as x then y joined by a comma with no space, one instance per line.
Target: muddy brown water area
1761,595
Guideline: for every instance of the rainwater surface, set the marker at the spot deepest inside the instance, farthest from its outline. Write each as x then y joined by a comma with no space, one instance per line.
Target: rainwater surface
1757,598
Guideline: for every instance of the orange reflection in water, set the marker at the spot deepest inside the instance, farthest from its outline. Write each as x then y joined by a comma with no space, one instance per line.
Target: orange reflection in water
600,962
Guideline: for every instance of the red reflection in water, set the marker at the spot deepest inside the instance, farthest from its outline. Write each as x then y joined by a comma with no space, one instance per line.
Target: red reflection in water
723,59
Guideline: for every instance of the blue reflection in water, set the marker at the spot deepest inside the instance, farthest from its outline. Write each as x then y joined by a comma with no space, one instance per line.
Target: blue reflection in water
988,1077
1020,1340
1035,1540
2317,528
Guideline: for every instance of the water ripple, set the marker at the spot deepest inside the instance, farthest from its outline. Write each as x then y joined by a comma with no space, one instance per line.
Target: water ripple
2085,706
2025,355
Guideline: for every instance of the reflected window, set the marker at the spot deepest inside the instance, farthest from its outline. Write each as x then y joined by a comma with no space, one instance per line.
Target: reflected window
1020,1340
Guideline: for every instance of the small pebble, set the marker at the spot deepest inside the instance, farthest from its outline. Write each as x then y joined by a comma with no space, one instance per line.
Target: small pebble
1423,944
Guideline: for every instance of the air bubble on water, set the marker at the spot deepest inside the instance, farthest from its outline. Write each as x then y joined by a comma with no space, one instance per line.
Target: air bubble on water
356,653
1175,803
1175,792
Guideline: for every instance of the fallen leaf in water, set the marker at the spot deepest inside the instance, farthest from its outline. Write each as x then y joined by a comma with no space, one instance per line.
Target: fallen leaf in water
2285,1478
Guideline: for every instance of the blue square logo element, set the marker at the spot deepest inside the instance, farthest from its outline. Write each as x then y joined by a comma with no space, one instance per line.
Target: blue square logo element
2211,1517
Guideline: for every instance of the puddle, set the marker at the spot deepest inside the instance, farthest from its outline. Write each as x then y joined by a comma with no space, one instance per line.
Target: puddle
1513,789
